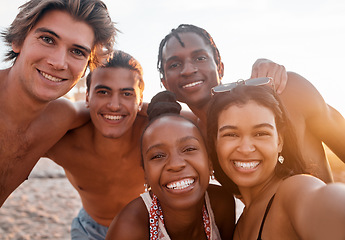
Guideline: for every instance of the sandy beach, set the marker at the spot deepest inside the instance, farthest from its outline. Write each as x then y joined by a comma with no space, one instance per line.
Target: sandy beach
44,205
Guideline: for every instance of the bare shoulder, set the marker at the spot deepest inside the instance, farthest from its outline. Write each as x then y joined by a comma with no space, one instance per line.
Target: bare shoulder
131,223
299,184
316,210
64,111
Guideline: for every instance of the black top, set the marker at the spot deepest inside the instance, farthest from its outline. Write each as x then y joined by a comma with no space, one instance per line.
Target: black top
265,215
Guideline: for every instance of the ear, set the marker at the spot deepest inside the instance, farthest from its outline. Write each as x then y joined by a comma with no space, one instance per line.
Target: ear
87,99
16,48
221,70
280,143
164,82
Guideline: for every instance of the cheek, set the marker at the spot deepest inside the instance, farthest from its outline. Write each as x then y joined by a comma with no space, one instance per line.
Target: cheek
78,68
152,174
222,149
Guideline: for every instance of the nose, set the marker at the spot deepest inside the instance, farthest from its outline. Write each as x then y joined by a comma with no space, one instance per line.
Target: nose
58,59
175,162
114,104
246,146
188,68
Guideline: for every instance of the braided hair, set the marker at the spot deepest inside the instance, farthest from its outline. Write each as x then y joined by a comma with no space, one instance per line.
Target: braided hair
187,28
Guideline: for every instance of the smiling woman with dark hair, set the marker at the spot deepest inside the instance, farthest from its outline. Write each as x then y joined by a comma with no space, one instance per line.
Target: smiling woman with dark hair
177,169
252,142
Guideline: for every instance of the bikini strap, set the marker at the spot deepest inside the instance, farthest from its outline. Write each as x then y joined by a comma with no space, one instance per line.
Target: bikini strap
265,215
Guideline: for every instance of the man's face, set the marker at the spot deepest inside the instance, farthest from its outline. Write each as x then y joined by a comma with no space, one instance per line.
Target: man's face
190,71
53,56
114,98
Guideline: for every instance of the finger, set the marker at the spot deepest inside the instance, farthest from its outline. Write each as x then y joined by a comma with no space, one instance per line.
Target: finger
283,80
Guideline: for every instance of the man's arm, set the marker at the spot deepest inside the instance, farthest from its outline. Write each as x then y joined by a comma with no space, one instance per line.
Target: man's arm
72,114
329,126
325,123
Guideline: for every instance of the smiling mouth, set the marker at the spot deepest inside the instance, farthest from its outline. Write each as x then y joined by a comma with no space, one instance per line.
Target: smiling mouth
181,184
113,117
50,77
246,165
193,84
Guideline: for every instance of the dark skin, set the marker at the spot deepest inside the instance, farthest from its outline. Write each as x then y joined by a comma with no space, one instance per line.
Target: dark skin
173,155
314,120
132,222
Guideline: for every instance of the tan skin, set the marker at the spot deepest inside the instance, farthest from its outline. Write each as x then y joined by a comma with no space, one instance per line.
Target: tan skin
304,207
52,58
314,120
174,154
99,158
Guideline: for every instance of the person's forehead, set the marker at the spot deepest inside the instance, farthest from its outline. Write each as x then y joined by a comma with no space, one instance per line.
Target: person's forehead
178,128
67,28
116,76
192,42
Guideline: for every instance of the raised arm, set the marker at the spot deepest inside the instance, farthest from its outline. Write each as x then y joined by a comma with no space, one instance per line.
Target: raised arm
330,129
316,210
323,122
266,68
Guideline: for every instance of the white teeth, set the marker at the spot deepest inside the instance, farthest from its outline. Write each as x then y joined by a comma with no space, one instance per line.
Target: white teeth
246,165
51,78
192,84
112,117
182,184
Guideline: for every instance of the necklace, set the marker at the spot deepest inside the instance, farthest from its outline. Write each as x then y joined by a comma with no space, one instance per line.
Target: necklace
156,214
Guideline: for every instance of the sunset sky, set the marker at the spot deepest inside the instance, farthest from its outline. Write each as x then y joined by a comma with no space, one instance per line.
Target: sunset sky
306,36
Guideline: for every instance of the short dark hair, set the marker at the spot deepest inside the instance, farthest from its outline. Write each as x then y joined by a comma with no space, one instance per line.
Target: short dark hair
92,12
266,97
188,28
120,59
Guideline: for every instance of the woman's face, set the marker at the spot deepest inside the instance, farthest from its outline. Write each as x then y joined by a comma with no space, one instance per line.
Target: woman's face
176,162
248,144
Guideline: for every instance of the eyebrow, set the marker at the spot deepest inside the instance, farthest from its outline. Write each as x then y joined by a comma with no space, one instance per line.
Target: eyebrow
193,53
179,141
223,128
127,89
46,30
102,87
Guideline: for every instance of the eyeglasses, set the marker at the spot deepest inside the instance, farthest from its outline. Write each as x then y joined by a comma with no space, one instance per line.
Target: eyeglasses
251,82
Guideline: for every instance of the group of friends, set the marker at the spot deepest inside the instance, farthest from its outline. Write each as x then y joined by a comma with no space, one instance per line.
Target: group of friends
143,170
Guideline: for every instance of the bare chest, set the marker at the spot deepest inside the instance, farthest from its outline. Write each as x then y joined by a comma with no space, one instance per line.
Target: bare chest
19,152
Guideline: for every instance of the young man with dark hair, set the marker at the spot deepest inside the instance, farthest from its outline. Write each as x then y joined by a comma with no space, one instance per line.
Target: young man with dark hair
102,158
